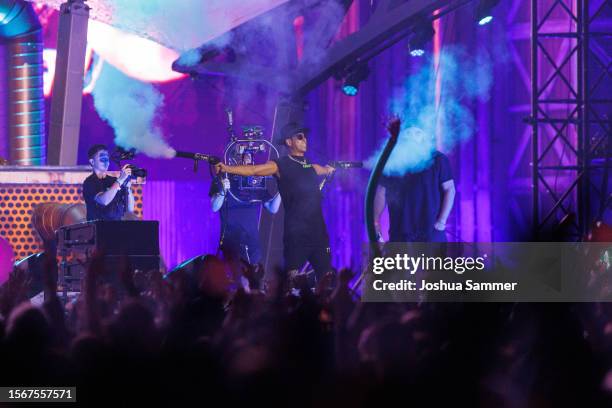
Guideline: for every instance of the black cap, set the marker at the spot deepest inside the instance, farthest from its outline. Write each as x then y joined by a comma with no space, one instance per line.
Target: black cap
290,129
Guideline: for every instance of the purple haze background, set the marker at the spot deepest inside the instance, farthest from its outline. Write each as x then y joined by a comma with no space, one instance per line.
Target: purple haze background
343,128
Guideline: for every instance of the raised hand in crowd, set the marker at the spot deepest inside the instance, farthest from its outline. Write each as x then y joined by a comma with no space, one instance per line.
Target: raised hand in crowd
94,272
324,284
254,273
53,305
126,275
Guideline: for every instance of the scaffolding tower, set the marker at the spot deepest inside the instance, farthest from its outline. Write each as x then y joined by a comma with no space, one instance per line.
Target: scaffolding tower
570,115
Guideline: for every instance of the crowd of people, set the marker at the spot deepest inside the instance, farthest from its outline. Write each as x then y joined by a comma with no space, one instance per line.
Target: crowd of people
141,337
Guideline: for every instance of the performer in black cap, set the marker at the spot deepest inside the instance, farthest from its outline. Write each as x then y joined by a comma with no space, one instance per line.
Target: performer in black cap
305,234
106,197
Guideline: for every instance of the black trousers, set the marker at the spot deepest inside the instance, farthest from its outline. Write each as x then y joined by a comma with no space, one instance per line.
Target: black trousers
318,256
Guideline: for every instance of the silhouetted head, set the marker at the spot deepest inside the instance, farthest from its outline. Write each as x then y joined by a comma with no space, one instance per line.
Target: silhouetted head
27,328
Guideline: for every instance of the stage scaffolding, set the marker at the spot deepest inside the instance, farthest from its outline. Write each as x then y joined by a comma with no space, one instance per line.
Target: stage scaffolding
570,115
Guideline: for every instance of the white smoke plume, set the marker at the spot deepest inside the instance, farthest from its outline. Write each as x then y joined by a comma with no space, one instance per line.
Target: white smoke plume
465,78
412,153
131,108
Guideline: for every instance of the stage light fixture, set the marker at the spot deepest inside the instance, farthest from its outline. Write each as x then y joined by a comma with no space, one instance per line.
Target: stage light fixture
485,20
418,52
350,90
353,78
423,33
484,12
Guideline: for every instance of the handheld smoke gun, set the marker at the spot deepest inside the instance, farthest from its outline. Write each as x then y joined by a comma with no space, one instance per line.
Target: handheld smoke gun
346,164
197,157
340,165
120,154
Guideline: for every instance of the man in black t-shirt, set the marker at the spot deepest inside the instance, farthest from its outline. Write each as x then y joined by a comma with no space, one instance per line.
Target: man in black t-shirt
106,197
419,200
305,234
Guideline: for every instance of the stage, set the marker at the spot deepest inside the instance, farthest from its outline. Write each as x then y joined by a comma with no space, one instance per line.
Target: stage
306,202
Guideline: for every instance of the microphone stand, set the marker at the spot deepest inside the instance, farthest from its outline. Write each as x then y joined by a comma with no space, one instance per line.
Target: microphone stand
225,207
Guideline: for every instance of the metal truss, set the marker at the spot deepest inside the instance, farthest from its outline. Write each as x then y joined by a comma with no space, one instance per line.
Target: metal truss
519,174
570,114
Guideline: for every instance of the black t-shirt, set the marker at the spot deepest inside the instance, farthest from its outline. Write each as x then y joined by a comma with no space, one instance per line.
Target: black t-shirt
95,211
414,200
299,189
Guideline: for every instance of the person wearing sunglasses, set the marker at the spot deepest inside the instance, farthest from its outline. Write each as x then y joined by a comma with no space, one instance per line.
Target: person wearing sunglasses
305,235
106,197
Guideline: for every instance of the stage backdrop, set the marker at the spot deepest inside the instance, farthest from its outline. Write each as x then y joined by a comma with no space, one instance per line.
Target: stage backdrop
488,206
